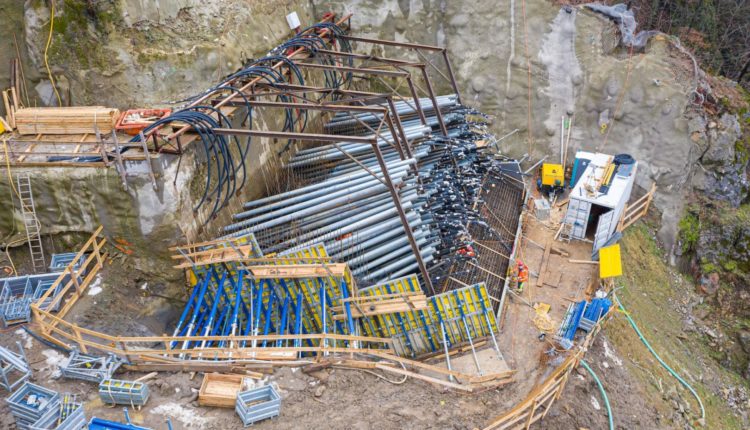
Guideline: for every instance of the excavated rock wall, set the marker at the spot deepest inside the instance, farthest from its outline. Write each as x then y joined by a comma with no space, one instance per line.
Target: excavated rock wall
149,220
618,102
134,53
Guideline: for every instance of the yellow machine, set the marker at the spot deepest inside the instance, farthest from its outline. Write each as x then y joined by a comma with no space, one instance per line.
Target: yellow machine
552,178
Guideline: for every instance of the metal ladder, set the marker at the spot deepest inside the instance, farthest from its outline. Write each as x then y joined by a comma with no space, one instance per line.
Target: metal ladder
566,232
31,223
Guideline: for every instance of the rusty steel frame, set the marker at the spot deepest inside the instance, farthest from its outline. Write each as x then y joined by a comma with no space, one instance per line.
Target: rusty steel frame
392,119
401,146
397,64
377,72
254,81
400,74
417,47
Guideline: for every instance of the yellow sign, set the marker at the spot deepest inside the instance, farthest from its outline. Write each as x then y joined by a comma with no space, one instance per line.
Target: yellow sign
610,263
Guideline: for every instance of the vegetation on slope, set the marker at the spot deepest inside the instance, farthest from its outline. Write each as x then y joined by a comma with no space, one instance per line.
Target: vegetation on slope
662,302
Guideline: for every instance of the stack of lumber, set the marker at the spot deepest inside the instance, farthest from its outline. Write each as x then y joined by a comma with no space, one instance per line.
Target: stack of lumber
66,120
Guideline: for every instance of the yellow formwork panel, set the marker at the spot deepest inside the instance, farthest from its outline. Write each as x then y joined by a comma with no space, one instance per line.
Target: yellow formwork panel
420,330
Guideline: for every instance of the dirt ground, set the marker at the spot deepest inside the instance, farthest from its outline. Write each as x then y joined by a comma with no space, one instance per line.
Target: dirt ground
124,301
121,300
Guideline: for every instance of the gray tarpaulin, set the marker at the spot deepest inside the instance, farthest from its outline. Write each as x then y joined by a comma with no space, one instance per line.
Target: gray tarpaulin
625,19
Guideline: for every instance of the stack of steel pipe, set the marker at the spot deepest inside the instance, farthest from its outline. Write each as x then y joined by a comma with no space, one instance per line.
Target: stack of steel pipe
351,123
351,212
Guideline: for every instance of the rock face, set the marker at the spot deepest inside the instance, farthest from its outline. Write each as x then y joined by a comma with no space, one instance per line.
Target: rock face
527,63
126,53
636,103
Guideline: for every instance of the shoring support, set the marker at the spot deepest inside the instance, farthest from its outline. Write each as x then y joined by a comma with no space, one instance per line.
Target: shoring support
402,216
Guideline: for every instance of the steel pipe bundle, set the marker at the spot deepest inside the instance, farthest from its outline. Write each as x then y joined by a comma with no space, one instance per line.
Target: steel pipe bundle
349,210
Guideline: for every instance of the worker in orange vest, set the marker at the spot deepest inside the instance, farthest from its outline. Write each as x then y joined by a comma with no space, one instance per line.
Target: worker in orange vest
523,274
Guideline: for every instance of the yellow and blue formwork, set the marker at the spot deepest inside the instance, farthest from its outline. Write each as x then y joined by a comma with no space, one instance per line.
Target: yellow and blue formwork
458,316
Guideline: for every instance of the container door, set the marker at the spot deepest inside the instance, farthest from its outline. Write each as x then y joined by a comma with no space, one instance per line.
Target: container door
577,216
603,229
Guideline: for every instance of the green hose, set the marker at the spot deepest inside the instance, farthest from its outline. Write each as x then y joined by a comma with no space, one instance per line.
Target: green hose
645,342
604,394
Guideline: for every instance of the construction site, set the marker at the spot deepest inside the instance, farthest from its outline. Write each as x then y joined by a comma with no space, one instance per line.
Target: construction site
334,234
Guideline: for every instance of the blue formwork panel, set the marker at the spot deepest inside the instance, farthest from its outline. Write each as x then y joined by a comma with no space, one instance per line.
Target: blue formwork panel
119,392
73,418
100,424
258,404
30,402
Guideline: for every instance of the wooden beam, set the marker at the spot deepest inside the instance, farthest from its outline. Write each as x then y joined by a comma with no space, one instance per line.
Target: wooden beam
378,306
299,271
544,264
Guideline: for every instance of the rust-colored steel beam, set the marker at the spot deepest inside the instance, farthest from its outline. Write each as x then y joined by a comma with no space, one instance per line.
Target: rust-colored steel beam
393,43
451,75
307,88
385,60
290,135
431,93
366,71
315,106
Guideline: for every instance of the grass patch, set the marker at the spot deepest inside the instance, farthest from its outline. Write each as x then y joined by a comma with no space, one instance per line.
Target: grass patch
651,292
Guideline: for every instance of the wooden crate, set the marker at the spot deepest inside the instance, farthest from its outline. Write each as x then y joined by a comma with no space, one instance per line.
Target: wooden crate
220,390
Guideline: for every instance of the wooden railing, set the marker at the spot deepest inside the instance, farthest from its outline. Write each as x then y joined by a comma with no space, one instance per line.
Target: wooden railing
167,352
639,208
536,405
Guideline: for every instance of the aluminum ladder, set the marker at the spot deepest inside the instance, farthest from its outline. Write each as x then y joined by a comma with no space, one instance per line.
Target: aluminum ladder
30,222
